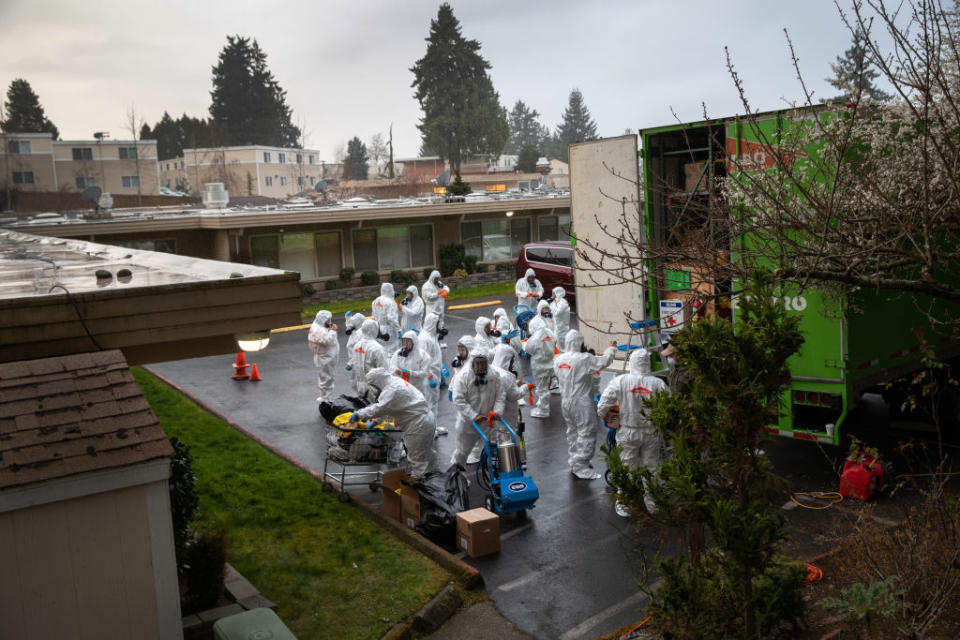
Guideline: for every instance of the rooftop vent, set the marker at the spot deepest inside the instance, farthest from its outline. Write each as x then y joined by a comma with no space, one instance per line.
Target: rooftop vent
215,196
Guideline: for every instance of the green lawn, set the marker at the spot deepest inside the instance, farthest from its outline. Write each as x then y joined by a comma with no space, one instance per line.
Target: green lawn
332,571
363,305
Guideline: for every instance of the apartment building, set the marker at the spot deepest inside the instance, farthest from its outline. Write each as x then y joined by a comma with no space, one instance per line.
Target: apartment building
36,162
254,170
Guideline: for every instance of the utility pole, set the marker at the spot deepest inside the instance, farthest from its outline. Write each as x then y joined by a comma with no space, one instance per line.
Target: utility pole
100,136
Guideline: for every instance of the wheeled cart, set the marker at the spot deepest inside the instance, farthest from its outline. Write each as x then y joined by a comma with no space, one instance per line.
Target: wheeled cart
357,445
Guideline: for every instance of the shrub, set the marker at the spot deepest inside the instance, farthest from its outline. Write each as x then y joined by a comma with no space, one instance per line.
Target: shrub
183,499
330,285
206,562
481,268
369,278
451,258
506,266
306,290
470,263
346,274
426,272
401,277
458,187
460,273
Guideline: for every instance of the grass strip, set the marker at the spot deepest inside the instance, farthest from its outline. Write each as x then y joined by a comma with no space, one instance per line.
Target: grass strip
363,304
332,571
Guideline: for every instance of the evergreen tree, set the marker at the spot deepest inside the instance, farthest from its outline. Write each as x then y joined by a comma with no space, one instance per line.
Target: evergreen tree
146,133
462,115
527,160
525,129
854,75
356,164
577,125
24,113
248,106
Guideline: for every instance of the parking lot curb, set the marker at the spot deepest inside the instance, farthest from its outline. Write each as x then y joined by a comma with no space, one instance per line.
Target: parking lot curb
465,575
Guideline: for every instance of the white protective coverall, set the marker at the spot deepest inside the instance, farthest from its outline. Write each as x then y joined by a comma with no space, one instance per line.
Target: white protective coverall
561,314
501,322
482,337
637,437
402,401
325,347
473,399
540,346
433,296
354,322
413,367
368,355
385,313
575,374
429,346
527,293
514,388
411,311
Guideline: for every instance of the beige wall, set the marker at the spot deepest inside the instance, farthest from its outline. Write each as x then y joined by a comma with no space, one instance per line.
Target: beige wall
39,161
106,167
244,171
80,568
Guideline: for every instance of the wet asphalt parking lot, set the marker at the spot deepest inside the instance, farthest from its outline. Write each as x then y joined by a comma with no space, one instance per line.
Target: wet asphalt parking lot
569,570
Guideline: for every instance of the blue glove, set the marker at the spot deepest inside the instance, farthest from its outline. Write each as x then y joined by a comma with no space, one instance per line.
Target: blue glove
432,382
450,395
444,371
354,417
513,333
349,367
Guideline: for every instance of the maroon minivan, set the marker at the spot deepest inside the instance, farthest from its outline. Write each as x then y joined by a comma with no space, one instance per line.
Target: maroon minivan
553,263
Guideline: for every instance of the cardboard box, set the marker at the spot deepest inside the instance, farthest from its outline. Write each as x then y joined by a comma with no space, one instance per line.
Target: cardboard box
411,507
478,532
390,488
691,174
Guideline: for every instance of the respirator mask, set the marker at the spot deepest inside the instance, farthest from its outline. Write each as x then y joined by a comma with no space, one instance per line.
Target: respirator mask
546,314
407,348
480,371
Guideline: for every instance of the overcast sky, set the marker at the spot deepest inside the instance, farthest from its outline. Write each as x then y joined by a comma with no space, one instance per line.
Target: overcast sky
345,65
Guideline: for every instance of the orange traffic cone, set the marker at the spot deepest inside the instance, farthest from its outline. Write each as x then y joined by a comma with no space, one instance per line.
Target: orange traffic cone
240,367
255,374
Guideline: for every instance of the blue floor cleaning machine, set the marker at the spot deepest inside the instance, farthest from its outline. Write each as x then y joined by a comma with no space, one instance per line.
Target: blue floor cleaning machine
501,473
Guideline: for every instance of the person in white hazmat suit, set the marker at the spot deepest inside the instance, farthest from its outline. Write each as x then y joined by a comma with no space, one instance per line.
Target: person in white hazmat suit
514,389
368,355
529,290
574,368
540,346
385,313
560,310
486,333
400,400
434,295
501,322
354,322
637,437
409,363
411,310
325,347
429,346
477,394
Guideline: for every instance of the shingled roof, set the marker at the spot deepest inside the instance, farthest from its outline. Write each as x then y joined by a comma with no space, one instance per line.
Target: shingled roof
72,414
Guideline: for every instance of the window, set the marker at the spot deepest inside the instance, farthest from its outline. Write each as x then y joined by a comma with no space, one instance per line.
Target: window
183,164
328,253
168,168
300,181
312,255
82,153
266,157
83,182
496,240
265,251
23,177
551,255
554,228
130,182
21,147
299,158
164,245
313,159
394,247
281,158
269,180
313,181
128,153
283,181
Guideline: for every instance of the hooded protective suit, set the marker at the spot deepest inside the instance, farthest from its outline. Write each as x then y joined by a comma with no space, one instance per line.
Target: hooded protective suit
473,398
575,374
434,296
501,322
385,313
561,314
411,311
467,342
529,294
514,388
637,437
401,401
368,355
429,346
325,347
540,347
482,337
354,322
414,366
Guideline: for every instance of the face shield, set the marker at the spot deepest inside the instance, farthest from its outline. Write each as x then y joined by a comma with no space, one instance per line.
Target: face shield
546,314
531,280
480,370
406,348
